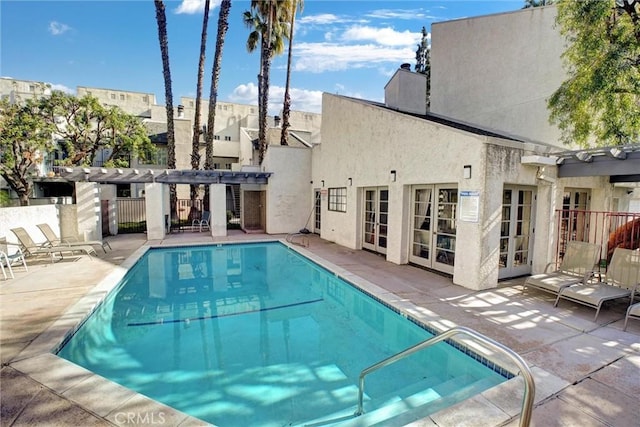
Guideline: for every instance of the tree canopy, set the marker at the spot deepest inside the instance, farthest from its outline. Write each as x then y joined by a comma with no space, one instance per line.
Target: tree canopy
599,103
25,136
82,127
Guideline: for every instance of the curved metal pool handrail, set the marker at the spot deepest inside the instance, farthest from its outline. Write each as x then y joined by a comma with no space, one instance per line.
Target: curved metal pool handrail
529,385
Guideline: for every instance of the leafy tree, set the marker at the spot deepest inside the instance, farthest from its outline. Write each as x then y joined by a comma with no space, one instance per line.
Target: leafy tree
286,107
268,20
599,103
85,127
161,19
24,136
536,3
423,64
223,26
128,136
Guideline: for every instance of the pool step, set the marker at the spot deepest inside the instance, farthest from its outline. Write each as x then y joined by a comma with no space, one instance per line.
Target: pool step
406,405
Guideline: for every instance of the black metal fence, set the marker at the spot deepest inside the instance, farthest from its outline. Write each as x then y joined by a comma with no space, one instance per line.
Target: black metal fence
132,215
608,229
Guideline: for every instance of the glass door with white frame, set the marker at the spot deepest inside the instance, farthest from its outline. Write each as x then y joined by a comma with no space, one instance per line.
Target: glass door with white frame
444,236
317,209
516,232
421,226
375,219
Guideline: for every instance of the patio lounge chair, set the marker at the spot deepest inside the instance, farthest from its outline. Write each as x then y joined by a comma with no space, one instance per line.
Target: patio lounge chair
54,240
577,266
7,259
633,312
206,215
621,281
30,248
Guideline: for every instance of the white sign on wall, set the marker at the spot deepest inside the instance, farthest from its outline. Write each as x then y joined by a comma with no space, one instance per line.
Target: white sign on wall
469,206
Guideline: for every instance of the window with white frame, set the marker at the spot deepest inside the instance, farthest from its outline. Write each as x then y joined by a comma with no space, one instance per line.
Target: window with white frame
227,138
338,199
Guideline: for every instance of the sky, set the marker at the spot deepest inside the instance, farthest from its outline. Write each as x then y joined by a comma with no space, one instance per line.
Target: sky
344,47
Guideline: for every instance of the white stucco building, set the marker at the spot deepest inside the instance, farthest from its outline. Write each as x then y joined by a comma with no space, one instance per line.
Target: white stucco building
470,188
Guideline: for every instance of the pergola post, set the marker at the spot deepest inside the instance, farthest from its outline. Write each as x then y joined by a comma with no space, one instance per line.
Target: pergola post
155,204
218,207
88,211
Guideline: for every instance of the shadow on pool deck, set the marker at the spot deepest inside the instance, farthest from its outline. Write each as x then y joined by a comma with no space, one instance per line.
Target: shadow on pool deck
587,373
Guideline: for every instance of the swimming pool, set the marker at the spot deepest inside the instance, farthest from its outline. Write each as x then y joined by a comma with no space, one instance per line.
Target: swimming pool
256,334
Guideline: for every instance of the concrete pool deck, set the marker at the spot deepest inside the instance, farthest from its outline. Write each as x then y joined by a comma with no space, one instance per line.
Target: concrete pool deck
587,373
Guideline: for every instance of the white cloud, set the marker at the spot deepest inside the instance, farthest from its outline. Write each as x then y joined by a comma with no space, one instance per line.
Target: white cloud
57,28
63,88
301,99
319,57
328,19
245,94
384,36
407,14
190,7
321,19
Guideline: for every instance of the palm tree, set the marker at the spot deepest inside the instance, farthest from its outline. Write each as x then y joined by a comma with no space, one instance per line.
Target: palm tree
286,107
197,130
268,21
223,26
161,19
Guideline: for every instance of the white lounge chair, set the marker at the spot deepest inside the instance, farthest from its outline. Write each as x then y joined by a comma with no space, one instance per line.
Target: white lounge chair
30,248
7,258
633,312
54,240
206,215
577,266
621,281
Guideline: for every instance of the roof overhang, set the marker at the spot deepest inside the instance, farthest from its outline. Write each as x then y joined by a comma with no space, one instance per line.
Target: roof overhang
165,176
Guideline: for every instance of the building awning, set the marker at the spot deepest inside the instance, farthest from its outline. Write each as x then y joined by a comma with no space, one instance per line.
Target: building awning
165,176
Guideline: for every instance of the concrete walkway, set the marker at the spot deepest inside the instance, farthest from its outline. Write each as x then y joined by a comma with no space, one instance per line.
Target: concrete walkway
587,373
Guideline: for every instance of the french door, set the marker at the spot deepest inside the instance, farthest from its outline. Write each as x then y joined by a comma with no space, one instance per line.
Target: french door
375,219
317,209
433,233
516,232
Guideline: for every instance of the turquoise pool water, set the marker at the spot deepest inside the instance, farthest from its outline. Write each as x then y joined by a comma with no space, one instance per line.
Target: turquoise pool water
258,335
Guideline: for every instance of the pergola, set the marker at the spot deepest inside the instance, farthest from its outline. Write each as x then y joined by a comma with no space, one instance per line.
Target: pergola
620,164
164,176
156,191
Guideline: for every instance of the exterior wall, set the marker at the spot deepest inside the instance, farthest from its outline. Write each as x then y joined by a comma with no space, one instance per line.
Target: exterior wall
310,122
498,71
27,217
288,188
21,90
138,103
376,140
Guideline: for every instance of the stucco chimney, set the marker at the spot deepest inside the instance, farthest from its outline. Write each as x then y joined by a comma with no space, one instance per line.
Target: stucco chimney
407,91
181,111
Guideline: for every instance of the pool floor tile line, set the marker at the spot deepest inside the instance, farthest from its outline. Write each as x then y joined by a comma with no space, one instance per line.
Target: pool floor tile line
216,316
573,358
